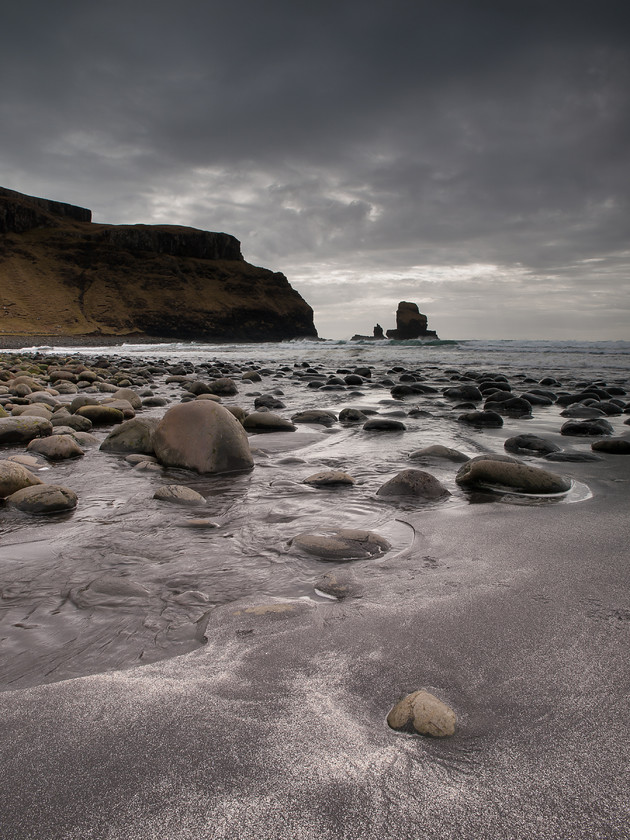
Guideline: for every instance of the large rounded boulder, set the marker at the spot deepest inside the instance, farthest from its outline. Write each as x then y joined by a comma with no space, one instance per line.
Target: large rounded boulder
204,436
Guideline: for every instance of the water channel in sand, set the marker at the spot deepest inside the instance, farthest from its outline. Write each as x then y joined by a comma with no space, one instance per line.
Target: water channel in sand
56,623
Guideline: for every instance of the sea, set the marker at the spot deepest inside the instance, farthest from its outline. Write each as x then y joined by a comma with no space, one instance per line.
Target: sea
63,611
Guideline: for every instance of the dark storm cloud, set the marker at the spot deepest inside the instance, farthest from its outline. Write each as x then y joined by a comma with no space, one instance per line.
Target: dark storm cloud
341,137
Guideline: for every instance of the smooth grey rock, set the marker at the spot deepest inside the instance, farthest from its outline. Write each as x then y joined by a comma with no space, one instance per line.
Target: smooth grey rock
587,428
342,545
179,494
266,421
438,452
56,447
516,477
43,499
23,429
326,478
202,435
14,477
134,435
530,445
423,713
416,483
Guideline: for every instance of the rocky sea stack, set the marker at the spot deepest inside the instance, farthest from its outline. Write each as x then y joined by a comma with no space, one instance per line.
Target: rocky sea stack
63,275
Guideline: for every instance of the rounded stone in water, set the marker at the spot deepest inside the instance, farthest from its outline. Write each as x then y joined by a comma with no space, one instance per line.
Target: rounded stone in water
342,545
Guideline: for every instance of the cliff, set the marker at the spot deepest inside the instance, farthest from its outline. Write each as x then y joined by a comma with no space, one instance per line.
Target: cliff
61,274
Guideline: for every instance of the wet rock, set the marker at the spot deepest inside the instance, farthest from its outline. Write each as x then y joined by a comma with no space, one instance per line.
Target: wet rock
247,614
530,445
14,477
224,387
266,421
23,429
482,418
101,415
34,411
570,455
352,415
125,406
56,447
74,421
467,393
314,415
587,428
43,499
582,412
342,545
268,401
203,436
179,494
383,424
438,452
416,483
423,713
134,435
338,584
130,396
503,474
613,446
329,478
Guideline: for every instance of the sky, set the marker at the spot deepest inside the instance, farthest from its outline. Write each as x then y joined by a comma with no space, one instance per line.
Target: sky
470,156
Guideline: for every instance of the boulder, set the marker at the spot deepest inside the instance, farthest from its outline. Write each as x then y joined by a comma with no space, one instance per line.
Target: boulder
482,418
613,446
56,447
587,428
202,435
315,415
383,424
23,429
416,483
43,499
510,475
134,435
423,713
101,415
14,477
265,421
529,445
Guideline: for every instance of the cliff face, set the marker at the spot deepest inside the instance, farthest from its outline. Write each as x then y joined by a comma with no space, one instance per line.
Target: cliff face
60,274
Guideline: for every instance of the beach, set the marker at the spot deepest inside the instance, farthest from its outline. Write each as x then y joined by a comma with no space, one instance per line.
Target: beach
242,688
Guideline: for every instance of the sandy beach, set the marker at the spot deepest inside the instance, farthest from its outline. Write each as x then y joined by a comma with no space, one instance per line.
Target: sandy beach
271,721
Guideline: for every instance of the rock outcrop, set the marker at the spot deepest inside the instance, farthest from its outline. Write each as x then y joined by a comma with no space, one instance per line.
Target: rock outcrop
410,324
63,275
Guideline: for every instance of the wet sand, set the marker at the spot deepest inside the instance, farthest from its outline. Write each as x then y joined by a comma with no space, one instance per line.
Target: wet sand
516,615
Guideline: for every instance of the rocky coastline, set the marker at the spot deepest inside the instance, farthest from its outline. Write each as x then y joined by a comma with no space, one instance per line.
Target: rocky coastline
64,275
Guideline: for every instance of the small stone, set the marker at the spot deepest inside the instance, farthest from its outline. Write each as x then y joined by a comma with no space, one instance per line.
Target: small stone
342,545
423,713
506,474
383,424
179,494
416,483
328,478
437,451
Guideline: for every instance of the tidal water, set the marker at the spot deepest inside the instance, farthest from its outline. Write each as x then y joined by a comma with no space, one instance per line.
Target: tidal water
126,579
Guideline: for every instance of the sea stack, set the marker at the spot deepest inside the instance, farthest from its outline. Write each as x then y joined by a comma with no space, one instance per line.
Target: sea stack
410,323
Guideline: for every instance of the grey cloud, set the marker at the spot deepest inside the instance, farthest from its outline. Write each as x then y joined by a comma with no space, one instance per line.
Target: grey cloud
351,136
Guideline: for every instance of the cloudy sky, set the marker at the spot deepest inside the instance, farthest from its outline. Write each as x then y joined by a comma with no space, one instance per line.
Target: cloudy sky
472,157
